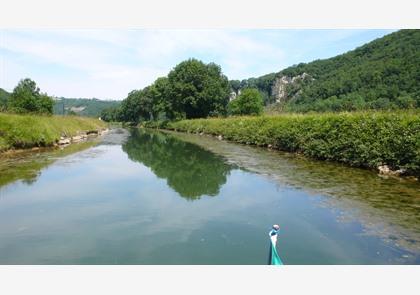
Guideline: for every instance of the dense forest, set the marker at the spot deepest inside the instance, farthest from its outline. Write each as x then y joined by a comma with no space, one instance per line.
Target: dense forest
382,74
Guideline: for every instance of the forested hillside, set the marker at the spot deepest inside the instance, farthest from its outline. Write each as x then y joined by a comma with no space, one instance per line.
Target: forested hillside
4,96
83,106
71,106
382,74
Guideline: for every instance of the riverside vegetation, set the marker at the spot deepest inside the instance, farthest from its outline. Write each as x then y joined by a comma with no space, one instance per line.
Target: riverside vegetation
25,131
377,78
27,120
362,139
380,75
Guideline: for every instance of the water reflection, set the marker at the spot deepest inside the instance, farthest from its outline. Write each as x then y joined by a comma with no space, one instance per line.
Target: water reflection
119,203
190,170
27,165
387,207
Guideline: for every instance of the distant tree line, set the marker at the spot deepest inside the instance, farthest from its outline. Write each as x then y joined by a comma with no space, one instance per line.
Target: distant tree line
191,90
89,107
26,98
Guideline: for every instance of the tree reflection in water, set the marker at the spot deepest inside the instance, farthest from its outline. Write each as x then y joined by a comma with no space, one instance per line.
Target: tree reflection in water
189,169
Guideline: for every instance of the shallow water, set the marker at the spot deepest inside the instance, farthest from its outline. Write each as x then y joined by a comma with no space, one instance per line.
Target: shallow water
148,197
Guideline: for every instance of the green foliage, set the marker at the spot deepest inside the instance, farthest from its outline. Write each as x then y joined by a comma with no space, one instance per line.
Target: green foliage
26,98
4,97
192,89
111,114
136,107
161,106
197,90
263,84
158,124
383,74
365,139
249,102
83,106
23,131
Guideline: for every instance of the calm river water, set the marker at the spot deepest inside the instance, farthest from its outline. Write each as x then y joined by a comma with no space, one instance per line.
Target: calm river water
148,197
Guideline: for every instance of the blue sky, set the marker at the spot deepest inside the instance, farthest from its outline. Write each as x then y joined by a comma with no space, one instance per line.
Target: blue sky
108,64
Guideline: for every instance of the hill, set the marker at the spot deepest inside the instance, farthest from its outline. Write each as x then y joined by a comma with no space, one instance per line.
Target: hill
88,107
83,106
4,96
381,74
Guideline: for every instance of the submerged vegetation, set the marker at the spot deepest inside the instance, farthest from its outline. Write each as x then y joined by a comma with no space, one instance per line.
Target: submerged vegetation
361,139
27,165
24,131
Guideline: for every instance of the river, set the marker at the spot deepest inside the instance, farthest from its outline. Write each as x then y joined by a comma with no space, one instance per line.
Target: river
149,197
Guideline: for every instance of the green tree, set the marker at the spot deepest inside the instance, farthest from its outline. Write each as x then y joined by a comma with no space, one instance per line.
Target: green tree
112,114
235,85
161,105
197,90
26,98
249,102
136,107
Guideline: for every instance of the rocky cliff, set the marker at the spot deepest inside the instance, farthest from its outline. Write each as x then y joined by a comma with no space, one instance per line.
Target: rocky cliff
284,87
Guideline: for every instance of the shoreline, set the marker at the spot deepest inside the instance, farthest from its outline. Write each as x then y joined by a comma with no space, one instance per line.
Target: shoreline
62,143
383,142
383,172
30,131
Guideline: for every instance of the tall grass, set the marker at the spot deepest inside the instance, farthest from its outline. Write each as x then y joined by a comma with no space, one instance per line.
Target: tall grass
363,139
23,131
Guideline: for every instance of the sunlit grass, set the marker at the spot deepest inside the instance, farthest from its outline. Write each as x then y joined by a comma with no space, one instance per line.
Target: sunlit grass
23,131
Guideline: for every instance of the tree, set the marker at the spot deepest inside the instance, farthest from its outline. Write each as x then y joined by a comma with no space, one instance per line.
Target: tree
235,85
197,90
45,104
26,98
249,102
161,105
136,106
111,114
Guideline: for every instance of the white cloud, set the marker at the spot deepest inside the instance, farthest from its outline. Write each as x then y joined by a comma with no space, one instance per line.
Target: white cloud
110,63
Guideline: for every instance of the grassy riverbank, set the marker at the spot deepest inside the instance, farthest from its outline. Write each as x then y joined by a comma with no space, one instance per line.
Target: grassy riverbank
25,131
362,139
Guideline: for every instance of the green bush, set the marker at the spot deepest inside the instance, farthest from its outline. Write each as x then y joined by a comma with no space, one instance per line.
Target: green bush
249,102
362,139
27,98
